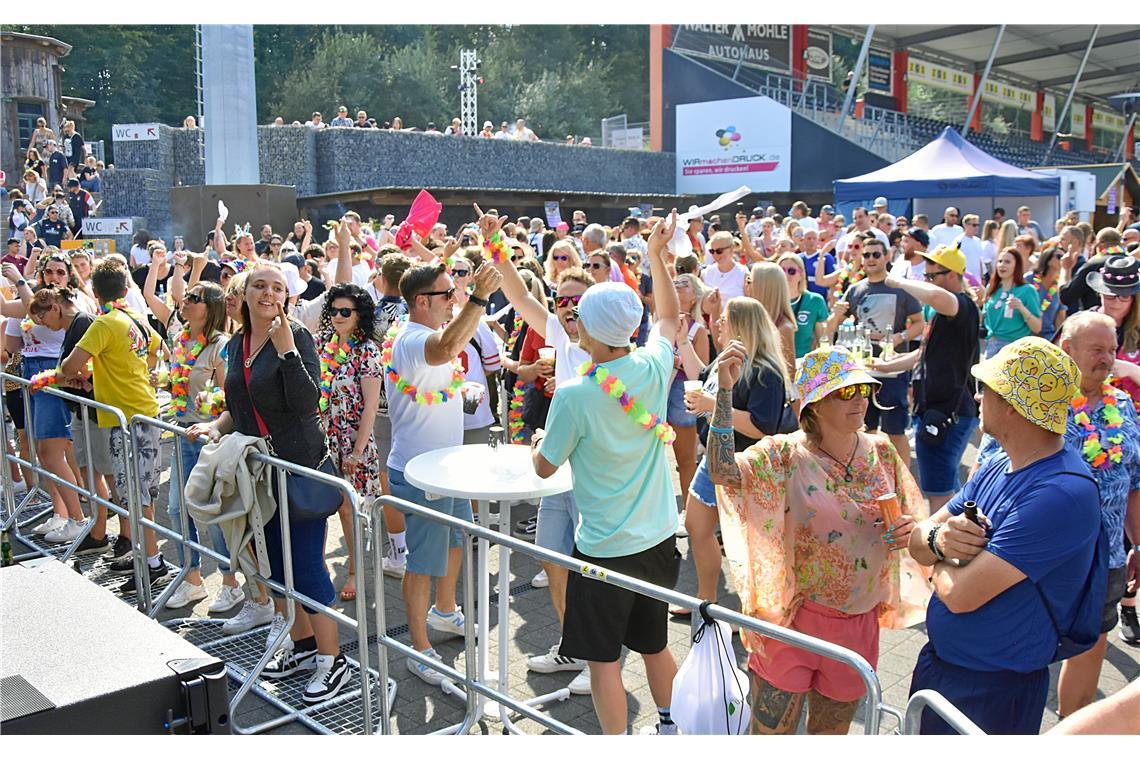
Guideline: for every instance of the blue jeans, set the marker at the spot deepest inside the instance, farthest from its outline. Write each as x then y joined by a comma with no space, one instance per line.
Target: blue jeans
190,452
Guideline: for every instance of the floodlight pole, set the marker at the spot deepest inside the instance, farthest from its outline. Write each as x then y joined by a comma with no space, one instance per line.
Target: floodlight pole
850,98
977,99
1124,142
1072,92
468,92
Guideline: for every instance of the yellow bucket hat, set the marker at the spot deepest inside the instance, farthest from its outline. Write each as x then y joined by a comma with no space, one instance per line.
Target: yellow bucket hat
826,370
1034,377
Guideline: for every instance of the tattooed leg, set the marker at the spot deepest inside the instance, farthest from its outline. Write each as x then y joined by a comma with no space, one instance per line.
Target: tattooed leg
828,717
722,445
774,711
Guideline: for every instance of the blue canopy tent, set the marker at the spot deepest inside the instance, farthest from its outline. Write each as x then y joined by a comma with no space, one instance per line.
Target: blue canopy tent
950,171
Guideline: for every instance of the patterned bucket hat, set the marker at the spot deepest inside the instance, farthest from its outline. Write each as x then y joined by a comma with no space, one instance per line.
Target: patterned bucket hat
1034,377
825,371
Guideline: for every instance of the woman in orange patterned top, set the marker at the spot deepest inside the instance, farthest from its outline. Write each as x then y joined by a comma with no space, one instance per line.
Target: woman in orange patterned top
807,544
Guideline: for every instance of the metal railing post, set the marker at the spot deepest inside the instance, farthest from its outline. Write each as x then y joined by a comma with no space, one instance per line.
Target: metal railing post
928,698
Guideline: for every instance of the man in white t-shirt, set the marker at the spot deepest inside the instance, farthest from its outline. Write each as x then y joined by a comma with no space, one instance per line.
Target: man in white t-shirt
862,224
944,234
725,274
481,364
912,265
423,354
971,247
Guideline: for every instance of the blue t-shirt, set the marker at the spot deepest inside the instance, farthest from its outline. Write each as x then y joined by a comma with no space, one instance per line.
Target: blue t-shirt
809,267
621,472
1045,523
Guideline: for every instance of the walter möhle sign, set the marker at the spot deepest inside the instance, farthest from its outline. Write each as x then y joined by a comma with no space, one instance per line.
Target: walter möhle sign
767,46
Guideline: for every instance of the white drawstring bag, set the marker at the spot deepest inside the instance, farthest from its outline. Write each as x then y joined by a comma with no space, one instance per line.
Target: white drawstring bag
710,693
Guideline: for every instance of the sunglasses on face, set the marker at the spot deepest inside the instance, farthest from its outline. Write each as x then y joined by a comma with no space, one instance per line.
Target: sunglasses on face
874,255
847,392
1106,297
563,301
517,259
346,312
632,259
790,271
720,250
931,276
447,293
195,298
561,258
60,272
460,272
598,265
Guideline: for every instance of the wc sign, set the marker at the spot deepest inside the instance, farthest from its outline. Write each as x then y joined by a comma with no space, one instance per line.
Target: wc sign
134,132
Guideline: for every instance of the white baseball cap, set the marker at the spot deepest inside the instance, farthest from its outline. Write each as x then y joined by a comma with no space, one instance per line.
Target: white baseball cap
880,201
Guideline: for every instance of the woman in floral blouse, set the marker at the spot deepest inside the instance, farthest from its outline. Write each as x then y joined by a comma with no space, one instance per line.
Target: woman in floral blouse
350,384
807,544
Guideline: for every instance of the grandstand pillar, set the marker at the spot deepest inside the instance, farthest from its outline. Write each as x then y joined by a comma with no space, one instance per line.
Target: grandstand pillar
976,122
898,73
1089,126
799,47
660,35
1037,119
1130,141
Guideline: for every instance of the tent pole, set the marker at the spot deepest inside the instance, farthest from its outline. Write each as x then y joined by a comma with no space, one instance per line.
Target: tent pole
850,98
977,99
1072,92
1124,141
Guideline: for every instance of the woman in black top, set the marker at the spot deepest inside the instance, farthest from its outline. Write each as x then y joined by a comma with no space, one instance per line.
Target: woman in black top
284,373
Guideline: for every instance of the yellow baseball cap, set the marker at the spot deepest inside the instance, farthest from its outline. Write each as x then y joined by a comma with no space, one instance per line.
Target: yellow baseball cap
947,256
1034,377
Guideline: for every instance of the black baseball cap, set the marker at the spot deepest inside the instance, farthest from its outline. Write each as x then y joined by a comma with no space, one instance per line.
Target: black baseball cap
920,235
73,183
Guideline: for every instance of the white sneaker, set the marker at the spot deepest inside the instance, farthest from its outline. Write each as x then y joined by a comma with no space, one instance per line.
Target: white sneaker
67,532
332,675
682,531
429,675
542,580
661,729
250,616
392,568
552,662
228,597
581,683
185,595
55,522
275,629
19,489
453,622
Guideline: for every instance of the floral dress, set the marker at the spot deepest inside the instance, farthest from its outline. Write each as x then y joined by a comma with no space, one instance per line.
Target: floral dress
345,410
796,530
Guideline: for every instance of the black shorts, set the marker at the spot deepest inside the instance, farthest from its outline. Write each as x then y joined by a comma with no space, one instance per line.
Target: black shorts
601,618
14,401
1117,584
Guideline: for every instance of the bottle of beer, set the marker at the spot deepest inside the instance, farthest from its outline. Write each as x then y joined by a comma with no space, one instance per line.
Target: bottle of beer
971,512
5,551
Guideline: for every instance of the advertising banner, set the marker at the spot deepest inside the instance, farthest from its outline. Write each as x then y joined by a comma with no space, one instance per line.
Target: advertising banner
1077,121
879,71
817,57
1049,113
937,75
723,144
767,46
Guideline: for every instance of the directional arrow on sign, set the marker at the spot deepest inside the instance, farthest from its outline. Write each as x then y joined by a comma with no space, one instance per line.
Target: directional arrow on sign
122,226
150,131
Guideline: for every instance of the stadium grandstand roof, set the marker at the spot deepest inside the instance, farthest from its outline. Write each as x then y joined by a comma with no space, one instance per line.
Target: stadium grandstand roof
1040,56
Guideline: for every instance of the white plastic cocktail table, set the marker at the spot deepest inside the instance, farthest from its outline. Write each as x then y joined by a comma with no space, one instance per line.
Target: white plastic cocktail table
482,474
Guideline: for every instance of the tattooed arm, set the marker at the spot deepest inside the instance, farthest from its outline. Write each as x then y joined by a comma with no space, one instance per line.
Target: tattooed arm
722,445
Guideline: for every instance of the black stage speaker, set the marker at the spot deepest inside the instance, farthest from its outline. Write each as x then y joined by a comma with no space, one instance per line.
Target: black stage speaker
194,210
77,660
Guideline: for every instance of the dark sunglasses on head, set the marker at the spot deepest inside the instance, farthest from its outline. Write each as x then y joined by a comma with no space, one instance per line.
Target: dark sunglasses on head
681,284
562,257
563,301
847,392
598,265
346,312
449,293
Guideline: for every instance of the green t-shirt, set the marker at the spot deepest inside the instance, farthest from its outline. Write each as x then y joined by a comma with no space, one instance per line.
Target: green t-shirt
810,309
1005,328
621,470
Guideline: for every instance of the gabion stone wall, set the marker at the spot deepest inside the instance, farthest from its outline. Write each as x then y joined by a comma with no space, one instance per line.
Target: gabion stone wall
156,155
288,157
140,193
189,166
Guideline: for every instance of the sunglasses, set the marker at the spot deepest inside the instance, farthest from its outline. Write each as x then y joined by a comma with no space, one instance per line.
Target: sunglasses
460,272
346,312
448,293
195,298
598,265
790,271
931,276
1106,297
681,284
847,392
517,259
61,272
875,255
561,258
720,250
563,301
632,259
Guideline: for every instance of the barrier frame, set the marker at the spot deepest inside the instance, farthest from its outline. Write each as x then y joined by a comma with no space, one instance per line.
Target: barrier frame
929,698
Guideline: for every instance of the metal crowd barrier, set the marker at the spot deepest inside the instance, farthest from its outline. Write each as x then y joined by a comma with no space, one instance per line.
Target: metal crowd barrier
925,698
872,708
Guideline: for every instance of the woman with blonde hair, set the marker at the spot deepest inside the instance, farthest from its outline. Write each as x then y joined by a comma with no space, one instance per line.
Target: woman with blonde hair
769,285
989,246
1007,233
695,336
563,255
759,399
810,310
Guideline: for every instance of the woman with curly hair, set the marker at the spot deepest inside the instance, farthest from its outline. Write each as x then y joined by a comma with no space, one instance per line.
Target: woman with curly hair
351,378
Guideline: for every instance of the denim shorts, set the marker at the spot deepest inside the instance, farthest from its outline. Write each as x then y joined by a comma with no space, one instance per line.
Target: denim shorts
678,416
428,541
939,466
50,416
702,487
992,346
893,393
557,519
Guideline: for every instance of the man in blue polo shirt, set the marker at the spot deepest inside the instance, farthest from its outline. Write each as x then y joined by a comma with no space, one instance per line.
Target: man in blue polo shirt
810,254
991,635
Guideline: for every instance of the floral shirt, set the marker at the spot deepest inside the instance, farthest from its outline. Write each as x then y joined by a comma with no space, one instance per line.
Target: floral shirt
345,410
796,530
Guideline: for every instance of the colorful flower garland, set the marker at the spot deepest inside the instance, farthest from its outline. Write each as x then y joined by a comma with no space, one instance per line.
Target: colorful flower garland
1094,449
334,356
845,274
615,388
212,403
403,386
180,373
496,248
45,379
26,324
515,422
1047,297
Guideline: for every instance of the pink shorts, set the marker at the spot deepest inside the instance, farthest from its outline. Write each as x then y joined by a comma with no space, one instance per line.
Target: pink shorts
797,670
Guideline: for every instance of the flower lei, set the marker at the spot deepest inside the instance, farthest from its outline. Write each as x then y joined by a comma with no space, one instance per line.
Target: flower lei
109,306
515,412
180,373
1094,449
496,248
1047,297
45,379
409,390
334,356
846,274
26,324
213,403
616,389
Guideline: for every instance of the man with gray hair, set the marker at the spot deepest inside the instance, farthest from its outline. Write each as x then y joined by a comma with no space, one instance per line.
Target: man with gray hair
537,231
594,240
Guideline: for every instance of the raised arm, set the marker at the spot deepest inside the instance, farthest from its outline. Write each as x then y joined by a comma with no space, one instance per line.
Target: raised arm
344,257
665,293
157,305
532,311
219,238
442,347
754,256
939,299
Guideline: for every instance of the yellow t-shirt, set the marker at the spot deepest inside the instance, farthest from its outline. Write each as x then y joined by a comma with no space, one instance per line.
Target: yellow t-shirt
119,353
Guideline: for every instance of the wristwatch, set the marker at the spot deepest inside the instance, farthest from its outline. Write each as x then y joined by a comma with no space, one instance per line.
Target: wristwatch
291,353
931,541
480,302
21,283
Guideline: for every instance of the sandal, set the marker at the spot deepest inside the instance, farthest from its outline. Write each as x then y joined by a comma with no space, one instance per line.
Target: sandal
347,593
680,612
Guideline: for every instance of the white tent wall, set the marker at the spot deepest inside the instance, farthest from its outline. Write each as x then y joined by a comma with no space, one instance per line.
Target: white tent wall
1043,208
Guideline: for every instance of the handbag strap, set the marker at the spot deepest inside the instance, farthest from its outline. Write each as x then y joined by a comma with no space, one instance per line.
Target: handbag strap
246,364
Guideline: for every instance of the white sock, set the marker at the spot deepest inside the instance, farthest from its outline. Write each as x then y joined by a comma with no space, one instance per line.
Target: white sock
398,545
155,562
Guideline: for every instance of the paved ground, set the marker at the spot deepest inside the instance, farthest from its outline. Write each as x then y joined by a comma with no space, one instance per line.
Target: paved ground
420,708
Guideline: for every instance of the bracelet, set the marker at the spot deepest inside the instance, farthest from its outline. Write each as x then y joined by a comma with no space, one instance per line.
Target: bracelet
720,430
930,542
480,302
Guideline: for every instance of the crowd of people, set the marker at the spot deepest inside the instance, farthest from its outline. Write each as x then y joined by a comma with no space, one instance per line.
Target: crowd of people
506,131
813,385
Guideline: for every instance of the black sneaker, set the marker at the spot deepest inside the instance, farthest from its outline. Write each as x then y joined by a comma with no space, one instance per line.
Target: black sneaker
124,565
1129,626
122,546
153,575
90,545
331,676
289,661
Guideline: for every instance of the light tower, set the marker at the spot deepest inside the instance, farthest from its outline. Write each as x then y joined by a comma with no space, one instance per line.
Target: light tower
469,82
